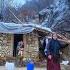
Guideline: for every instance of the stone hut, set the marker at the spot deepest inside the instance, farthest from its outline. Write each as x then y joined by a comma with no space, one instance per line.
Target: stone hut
11,34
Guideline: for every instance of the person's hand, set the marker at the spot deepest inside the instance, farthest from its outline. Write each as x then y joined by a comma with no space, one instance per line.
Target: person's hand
49,56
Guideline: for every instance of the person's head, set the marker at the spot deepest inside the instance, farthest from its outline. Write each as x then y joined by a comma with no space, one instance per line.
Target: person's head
54,35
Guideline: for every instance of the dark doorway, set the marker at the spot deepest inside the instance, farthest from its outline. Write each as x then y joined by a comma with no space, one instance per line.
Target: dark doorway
17,38
41,48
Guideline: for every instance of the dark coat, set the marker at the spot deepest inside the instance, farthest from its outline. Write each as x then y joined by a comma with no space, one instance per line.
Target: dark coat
54,47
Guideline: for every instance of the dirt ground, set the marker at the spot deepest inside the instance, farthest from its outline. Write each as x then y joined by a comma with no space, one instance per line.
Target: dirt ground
3,68
44,68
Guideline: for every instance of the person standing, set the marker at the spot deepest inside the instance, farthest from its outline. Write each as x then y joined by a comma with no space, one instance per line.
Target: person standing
20,49
53,53
19,46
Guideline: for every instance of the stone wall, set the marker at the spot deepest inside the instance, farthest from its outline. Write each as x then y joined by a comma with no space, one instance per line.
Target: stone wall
31,47
6,48
66,53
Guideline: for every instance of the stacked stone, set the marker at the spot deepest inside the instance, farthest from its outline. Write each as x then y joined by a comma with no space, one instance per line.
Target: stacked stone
32,48
5,45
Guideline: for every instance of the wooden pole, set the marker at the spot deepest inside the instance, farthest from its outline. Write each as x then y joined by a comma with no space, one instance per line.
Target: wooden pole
67,40
15,16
